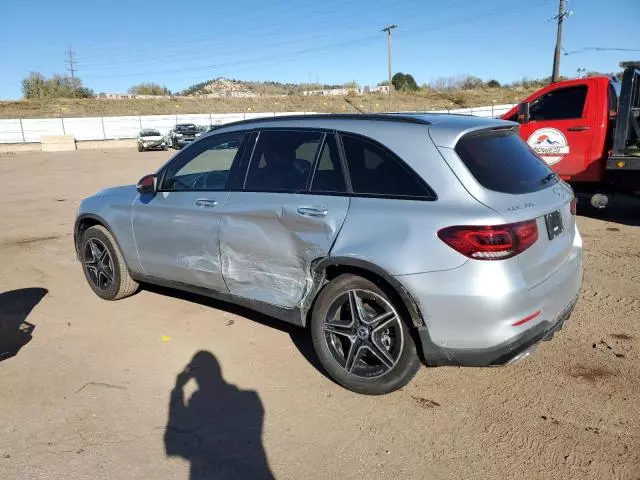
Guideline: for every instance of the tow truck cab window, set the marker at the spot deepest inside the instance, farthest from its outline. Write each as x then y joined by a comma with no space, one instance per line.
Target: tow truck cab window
561,104
614,93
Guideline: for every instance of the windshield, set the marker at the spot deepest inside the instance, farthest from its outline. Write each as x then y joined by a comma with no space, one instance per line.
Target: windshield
186,127
150,133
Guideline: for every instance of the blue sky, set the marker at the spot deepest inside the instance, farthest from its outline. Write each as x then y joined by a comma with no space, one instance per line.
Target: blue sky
121,43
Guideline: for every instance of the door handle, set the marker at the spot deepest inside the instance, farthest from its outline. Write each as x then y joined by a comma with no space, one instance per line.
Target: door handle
205,203
578,128
313,211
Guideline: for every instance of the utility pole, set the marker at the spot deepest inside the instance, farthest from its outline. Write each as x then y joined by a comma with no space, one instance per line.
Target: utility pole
562,14
70,61
388,29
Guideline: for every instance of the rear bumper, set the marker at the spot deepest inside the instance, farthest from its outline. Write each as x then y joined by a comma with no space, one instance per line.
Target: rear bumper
502,354
472,313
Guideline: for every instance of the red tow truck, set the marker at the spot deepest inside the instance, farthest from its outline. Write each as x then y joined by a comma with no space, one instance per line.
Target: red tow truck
587,129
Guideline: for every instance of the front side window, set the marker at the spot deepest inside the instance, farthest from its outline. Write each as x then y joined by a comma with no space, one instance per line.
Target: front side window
375,171
204,168
282,161
561,104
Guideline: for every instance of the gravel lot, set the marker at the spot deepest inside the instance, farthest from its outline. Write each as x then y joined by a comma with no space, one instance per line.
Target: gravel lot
88,396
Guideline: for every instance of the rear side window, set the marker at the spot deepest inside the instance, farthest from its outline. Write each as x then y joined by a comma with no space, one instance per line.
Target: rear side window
562,104
503,162
328,176
375,171
282,161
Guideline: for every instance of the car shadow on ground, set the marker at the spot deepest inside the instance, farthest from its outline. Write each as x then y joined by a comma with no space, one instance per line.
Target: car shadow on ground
15,307
621,209
300,337
218,428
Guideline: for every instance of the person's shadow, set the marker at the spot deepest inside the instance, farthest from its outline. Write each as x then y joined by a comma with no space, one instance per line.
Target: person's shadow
15,307
219,428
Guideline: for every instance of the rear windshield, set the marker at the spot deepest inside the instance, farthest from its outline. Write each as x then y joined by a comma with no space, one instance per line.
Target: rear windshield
503,162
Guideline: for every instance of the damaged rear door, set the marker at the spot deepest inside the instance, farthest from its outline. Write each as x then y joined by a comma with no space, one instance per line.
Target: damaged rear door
176,230
287,215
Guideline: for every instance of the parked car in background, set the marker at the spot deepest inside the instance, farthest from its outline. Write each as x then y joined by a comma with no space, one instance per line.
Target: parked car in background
202,129
397,238
150,139
182,134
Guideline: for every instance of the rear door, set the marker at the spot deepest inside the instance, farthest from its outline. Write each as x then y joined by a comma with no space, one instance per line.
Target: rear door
287,213
499,170
560,129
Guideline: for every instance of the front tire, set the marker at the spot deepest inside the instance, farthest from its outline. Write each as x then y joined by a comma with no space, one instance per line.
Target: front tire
103,265
140,148
360,337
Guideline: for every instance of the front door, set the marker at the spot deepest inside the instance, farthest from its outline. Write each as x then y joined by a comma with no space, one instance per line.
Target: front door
288,215
176,230
559,129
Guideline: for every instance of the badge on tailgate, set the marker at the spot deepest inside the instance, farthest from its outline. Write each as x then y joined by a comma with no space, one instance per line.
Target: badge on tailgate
554,224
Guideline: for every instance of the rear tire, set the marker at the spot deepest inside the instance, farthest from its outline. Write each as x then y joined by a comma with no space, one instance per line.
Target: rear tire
373,352
104,266
140,148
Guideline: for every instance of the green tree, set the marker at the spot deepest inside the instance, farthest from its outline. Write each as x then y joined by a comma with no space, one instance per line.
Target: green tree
149,88
36,86
493,84
404,82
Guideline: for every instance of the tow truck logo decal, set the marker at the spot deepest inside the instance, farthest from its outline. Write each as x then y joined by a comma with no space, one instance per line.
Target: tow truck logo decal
550,144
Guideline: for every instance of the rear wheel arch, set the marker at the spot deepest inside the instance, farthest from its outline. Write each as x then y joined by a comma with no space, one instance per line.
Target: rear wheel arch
331,267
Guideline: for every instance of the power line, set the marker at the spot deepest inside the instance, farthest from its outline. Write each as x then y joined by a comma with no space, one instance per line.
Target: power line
324,49
600,49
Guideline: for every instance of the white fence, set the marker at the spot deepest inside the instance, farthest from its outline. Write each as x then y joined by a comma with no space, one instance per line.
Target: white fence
31,130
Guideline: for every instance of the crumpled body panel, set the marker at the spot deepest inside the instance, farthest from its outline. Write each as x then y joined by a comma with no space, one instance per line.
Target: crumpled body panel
267,247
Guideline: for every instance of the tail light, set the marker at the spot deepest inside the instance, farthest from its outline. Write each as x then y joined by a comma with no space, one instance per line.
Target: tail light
495,242
574,205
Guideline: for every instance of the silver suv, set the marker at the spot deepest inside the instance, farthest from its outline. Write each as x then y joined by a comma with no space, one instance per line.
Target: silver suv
394,238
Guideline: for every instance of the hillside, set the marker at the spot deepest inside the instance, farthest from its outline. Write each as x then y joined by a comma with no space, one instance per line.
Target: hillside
424,99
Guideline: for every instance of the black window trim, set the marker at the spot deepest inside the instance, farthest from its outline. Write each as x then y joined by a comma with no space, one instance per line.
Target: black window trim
253,135
233,171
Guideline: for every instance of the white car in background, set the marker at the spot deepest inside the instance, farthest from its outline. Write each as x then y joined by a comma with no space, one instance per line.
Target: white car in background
150,139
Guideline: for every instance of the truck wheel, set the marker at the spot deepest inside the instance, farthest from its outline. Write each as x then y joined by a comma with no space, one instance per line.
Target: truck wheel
103,265
360,338
140,148
599,201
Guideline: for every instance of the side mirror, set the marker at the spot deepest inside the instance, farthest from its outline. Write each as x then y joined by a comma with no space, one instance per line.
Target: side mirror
523,112
147,185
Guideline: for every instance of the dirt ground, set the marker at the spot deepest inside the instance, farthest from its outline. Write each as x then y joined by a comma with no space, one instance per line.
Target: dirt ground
88,396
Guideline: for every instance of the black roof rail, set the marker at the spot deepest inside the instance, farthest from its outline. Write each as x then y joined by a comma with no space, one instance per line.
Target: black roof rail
334,116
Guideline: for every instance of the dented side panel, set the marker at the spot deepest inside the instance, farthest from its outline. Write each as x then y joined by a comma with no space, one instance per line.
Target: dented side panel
268,242
177,239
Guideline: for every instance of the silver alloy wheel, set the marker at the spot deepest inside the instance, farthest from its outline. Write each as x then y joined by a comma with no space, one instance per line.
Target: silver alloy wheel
98,264
364,333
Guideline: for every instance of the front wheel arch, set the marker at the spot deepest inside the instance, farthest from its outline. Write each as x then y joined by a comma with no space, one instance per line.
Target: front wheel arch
83,223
